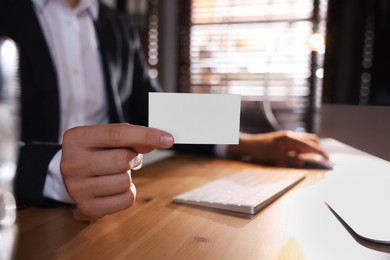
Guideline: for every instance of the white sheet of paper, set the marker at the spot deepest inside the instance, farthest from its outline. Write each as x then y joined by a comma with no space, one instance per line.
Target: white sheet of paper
196,118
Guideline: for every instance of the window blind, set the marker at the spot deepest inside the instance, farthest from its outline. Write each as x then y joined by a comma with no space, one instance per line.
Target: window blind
256,48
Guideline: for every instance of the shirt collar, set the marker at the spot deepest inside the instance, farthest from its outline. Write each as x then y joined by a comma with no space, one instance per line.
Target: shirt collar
92,6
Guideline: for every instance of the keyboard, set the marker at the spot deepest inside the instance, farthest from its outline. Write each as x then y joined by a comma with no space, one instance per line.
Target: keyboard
247,191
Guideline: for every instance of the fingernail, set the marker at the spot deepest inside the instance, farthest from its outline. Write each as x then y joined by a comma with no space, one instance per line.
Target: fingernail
166,139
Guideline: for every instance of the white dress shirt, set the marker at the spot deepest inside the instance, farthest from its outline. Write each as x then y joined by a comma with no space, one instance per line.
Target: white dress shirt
71,38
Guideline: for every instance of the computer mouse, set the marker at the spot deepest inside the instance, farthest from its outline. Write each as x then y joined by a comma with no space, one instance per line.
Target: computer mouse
315,161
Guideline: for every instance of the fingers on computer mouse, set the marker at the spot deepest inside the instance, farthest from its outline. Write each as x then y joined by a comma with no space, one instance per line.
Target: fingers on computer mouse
315,161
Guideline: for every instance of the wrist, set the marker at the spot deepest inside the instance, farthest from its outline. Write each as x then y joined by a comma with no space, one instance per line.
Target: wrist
242,149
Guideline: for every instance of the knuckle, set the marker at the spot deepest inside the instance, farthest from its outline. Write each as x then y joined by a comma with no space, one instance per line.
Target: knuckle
69,167
66,168
72,134
284,136
115,134
88,209
122,183
122,160
286,133
75,190
150,136
130,198
125,183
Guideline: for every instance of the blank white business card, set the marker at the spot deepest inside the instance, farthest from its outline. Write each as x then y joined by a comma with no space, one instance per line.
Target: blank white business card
196,118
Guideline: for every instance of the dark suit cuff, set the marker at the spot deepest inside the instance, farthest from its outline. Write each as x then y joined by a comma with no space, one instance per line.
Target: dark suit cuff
34,159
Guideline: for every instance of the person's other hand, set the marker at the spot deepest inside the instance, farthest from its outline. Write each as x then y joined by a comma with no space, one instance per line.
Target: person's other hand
97,161
279,148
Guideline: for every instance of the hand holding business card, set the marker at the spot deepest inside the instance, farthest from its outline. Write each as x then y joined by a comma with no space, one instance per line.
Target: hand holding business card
196,118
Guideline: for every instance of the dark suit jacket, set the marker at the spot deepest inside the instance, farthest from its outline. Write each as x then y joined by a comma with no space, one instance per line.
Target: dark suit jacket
126,80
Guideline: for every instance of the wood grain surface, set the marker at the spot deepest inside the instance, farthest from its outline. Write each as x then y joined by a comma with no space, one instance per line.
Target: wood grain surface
296,226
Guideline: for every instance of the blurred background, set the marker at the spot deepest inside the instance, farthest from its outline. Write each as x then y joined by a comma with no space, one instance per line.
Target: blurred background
287,58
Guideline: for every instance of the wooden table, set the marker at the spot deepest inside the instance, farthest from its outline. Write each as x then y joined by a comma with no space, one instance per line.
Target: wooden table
296,226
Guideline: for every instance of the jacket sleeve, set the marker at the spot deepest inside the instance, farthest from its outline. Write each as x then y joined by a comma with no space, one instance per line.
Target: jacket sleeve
33,162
